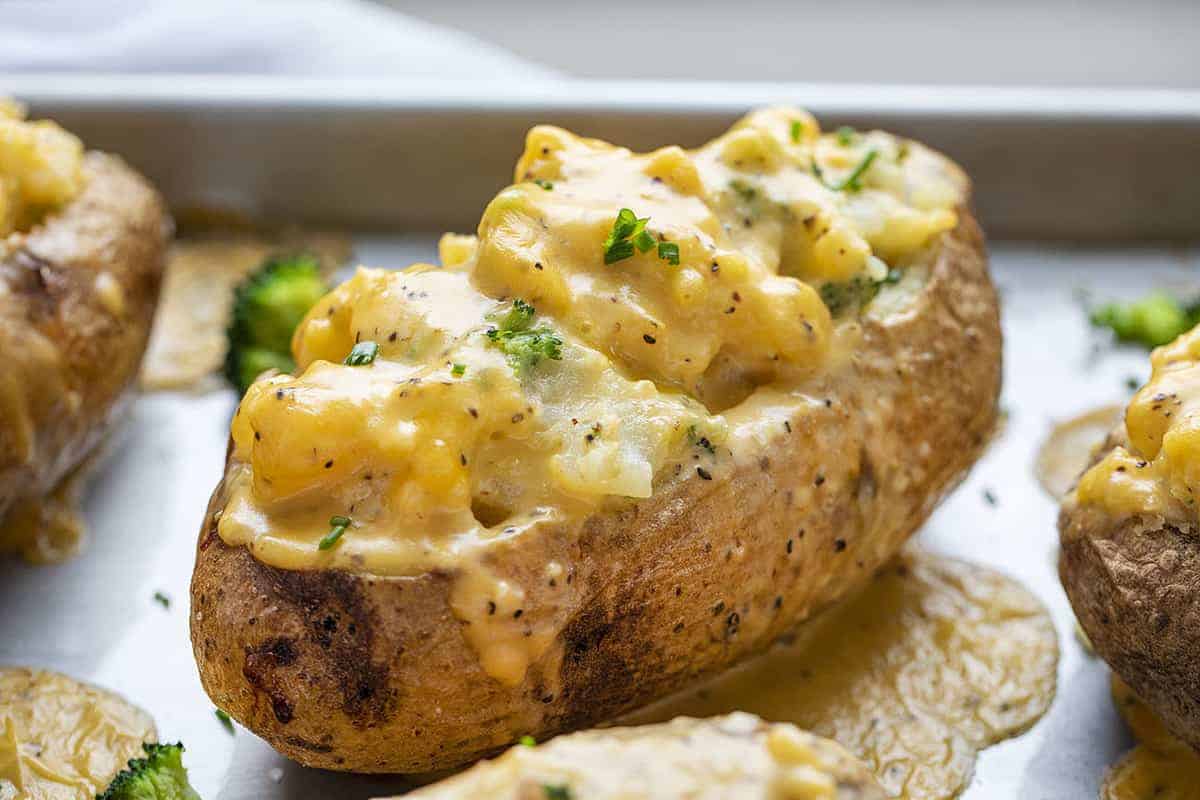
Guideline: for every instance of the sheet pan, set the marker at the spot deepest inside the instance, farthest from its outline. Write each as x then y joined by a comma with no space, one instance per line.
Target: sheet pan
1079,191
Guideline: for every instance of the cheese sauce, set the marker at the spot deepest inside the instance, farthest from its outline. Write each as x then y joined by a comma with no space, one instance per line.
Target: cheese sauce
1158,470
734,756
933,661
1160,766
61,739
601,332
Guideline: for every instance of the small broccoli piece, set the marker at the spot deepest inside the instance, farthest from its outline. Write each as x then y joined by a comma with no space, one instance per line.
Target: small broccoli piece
267,307
524,345
855,293
1156,319
159,776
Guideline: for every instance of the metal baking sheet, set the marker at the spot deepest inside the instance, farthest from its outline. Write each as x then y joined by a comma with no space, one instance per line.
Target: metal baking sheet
1080,191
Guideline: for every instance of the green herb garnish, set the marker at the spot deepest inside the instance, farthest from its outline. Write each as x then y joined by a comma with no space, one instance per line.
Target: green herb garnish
545,184
362,354
552,792
629,234
669,252
162,599
527,741
525,345
458,370
337,526
852,182
224,719
845,135
797,129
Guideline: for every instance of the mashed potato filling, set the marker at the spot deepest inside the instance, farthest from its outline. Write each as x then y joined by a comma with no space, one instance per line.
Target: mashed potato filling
581,349
1158,470
40,168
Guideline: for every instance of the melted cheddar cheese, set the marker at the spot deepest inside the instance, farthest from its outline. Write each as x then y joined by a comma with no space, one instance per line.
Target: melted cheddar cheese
556,362
1158,470
40,168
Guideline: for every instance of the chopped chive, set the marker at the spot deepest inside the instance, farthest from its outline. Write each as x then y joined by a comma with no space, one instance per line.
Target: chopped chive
556,792
527,741
845,135
458,370
162,599
224,719
545,184
618,251
744,190
797,129
337,526
362,354
644,241
669,252
852,182
627,233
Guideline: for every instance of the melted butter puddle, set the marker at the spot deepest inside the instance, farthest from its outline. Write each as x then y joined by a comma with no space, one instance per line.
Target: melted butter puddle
61,739
933,661
1160,766
1068,449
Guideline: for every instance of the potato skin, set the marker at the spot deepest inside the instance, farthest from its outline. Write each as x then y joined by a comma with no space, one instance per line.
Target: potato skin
73,340
356,672
1132,583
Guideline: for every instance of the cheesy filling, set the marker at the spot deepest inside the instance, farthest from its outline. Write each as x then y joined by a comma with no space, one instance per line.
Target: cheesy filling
617,323
40,168
1158,471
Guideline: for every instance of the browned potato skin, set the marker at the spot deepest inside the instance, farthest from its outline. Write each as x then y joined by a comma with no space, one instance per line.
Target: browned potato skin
55,412
1133,585
355,672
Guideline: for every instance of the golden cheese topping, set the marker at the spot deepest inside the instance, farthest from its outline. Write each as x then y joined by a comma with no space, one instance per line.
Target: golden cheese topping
935,660
40,168
1158,470
596,340
734,756
61,739
1159,766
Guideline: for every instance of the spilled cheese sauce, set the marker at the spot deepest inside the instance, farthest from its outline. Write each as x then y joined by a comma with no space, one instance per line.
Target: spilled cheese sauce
1159,767
733,756
933,661
481,419
49,529
41,168
1068,449
1158,471
61,739
187,343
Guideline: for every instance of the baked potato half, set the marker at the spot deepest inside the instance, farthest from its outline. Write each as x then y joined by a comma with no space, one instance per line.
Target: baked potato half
1130,559
738,755
595,456
84,244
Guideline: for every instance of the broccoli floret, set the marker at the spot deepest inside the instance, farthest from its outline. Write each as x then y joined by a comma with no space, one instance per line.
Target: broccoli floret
855,293
267,307
1156,319
160,775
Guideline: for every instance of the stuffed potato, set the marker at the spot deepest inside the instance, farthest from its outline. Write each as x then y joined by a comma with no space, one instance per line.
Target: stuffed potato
84,242
701,759
661,409
1130,536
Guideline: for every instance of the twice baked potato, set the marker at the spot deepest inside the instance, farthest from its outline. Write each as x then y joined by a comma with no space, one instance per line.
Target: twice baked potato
1130,535
80,263
738,755
596,455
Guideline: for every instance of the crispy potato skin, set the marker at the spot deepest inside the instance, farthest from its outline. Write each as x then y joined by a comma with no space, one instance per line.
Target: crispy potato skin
1133,584
72,339
356,672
